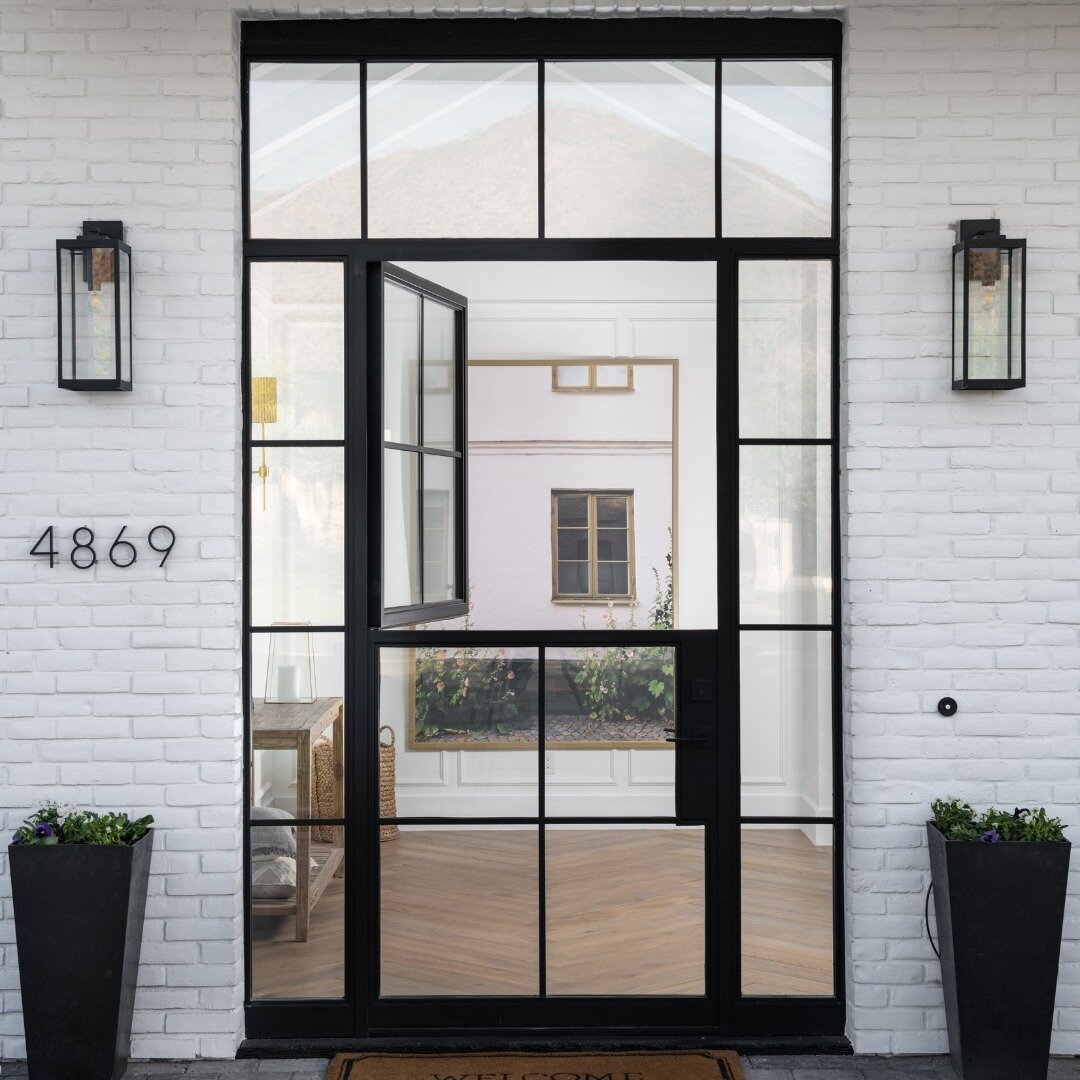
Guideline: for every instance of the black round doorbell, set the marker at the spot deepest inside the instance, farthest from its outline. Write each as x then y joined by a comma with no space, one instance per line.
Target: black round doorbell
947,706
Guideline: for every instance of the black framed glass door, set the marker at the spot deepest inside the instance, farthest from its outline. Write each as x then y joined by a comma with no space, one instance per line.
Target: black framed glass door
701,191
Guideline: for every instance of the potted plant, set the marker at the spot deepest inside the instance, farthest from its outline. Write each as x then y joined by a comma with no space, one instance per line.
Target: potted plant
999,883
78,883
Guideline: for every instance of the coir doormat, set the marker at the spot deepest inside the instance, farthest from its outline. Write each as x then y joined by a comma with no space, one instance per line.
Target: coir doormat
642,1065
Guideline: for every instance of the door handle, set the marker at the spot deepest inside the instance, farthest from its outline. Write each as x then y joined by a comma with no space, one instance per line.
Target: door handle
685,741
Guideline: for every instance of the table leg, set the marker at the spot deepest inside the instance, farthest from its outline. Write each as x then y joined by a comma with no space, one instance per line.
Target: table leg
303,835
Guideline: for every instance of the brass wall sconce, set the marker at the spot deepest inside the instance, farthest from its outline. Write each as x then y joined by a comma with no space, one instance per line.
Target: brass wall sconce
263,412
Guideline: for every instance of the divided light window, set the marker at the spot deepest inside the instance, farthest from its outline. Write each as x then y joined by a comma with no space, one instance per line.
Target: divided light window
592,545
600,378
528,148
423,450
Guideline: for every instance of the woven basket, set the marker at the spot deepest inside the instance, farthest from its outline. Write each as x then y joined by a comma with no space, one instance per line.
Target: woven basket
323,791
387,783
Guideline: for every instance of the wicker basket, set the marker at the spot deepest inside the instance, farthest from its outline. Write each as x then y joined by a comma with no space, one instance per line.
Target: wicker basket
387,783
324,791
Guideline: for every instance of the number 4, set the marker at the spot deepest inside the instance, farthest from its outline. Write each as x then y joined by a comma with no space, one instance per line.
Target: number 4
51,551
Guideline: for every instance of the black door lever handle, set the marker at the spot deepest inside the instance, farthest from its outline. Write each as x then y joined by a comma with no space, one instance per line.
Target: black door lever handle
687,742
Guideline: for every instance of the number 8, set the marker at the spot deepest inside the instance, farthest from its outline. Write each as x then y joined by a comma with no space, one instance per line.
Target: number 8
79,546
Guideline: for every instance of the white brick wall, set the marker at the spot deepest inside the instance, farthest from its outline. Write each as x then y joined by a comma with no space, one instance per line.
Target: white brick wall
962,537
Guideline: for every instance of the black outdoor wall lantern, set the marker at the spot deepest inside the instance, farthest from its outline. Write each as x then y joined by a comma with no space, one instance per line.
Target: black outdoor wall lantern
989,308
93,290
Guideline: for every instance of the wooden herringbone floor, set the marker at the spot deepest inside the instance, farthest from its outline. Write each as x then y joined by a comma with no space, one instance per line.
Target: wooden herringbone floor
625,915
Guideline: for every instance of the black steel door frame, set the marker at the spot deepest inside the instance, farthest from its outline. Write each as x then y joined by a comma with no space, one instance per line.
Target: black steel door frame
470,39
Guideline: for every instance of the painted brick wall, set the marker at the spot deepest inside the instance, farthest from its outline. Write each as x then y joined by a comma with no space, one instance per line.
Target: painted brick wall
121,687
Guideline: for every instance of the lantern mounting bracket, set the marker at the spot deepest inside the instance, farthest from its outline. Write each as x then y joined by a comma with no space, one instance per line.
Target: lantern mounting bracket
974,228
114,230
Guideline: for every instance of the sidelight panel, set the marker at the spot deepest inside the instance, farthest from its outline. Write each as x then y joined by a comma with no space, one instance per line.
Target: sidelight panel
296,886
786,723
297,520
787,910
785,348
785,534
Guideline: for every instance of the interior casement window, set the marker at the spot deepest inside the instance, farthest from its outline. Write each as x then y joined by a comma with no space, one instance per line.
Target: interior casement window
592,377
592,545
422,449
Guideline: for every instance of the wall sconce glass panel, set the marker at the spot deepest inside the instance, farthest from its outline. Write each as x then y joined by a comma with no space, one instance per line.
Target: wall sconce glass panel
988,308
93,276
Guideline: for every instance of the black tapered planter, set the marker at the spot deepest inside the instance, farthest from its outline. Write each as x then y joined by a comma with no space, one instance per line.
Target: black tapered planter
78,926
999,909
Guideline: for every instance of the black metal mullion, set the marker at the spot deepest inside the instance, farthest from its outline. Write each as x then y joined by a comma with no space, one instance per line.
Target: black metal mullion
420,458
364,149
541,809
541,147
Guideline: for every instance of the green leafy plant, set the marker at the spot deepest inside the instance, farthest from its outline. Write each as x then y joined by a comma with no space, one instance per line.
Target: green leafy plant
469,689
956,820
55,824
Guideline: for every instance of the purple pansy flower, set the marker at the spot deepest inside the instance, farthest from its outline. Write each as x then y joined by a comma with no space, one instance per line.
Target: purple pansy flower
43,830
16,838
989,837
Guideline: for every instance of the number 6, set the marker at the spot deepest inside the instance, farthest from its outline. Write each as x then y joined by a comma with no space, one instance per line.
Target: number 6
122,543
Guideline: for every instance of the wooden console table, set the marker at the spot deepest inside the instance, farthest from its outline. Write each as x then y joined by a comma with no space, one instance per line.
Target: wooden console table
296,727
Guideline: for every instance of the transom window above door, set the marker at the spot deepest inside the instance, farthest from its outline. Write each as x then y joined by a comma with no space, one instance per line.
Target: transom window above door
530,149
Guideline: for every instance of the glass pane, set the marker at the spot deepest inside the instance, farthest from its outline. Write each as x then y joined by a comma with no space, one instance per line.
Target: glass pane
401,365
479,700
613,376
297,690
785,351
459,911
786,723
64,328
629,148
776,148
297,530
95,313
573,544
401,528
125,316
573,578
611,544
611,511
613,579
535,453
440,358
304,134
1016,299
297,910
452,149
439,535
571,376
787,934
988,314
958,315
785,534
297,350
573,509
625,910
612,696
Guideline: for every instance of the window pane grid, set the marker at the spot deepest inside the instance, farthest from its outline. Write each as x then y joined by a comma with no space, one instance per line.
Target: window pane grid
591,562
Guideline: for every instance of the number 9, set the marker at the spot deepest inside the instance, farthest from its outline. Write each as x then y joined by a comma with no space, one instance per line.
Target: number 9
163,551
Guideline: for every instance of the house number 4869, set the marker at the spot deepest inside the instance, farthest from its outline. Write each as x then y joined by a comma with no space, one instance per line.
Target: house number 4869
121,552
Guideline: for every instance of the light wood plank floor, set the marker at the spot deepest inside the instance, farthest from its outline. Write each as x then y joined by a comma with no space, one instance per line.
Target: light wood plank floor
625,916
